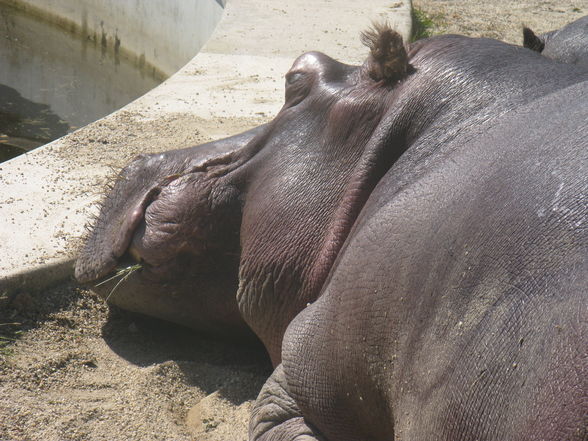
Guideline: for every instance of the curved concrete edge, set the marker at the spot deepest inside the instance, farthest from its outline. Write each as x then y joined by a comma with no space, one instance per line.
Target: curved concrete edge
234,83
39,277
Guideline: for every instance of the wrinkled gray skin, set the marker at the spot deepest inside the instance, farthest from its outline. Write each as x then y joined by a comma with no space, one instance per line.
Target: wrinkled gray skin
435,226
567,45
160,207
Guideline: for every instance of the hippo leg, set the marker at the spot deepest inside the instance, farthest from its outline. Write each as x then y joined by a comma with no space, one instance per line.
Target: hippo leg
276,416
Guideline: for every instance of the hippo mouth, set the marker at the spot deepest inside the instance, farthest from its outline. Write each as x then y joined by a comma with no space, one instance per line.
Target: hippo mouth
159,236
119,256
158,215
161,253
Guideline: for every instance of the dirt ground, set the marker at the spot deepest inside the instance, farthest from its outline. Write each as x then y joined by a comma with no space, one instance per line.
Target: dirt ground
500,19
72,368
80,370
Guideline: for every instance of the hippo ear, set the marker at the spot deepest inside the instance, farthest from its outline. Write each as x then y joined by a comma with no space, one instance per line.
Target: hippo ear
388,60
532,41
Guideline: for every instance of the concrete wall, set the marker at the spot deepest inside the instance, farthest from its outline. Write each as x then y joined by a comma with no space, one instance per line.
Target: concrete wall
165,34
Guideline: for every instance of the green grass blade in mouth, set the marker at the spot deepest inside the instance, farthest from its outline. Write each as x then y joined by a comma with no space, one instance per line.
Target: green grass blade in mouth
124,274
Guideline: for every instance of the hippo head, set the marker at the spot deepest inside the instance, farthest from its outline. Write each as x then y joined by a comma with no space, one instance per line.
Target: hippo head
243,232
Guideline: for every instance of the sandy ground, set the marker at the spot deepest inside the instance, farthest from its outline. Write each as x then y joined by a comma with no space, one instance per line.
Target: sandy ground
78,370
82,371
500,19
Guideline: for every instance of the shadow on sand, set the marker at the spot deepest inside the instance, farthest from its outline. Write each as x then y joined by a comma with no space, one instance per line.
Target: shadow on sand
234,369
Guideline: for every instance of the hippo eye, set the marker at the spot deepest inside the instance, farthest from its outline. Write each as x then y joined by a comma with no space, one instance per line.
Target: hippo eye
293,77
296,88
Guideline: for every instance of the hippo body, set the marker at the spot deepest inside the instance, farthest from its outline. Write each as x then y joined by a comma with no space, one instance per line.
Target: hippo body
447,313
412,251
567,45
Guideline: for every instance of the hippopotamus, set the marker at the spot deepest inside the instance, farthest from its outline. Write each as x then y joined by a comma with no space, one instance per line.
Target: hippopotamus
407,238
567,45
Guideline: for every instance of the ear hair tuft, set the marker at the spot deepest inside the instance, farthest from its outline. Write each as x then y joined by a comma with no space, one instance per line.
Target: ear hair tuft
388,60
532,41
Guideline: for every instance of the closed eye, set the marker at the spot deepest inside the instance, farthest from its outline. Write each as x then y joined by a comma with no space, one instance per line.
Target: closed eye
298,85
293,77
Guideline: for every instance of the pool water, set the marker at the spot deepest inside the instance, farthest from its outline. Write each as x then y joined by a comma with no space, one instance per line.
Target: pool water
53,82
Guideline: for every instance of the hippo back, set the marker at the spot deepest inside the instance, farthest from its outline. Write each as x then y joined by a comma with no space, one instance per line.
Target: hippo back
567,45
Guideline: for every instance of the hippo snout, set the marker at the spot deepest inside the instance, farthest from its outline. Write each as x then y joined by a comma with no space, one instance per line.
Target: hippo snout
174,222
166,240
